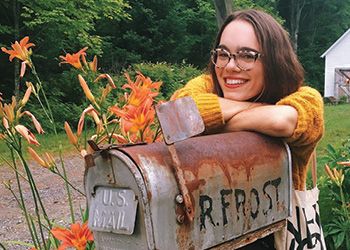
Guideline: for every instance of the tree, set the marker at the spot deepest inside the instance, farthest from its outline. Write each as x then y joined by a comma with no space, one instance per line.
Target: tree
223,9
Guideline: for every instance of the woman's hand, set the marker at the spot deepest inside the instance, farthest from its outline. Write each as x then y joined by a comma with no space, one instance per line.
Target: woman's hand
273,120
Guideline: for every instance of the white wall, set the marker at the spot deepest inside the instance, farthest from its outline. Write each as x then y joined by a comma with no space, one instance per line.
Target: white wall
338,57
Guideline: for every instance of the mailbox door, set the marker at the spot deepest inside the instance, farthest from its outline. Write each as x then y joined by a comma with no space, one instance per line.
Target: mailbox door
119,214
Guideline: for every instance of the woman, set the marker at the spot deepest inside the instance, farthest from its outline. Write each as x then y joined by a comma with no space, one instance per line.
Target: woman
255,84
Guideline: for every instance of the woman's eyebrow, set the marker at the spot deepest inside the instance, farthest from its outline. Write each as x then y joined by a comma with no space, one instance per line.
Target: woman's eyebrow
247,48
222,46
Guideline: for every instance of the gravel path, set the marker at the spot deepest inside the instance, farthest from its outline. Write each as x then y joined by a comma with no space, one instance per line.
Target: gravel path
52,190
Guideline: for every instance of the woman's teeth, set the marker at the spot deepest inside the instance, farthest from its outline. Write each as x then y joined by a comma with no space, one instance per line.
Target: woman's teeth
234,82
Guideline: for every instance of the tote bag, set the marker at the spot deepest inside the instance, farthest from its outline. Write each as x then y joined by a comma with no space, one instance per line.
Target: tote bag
304,230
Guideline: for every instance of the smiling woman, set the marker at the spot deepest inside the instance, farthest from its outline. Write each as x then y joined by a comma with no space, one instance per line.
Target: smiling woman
254,84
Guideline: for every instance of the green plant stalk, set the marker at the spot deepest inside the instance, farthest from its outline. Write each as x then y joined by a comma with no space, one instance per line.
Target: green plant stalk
13,168
70,184
2,246
18,149
23,206
49,113
67,188
36,197
35,233
113,130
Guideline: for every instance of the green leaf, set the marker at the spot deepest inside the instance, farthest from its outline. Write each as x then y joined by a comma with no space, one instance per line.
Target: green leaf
339,239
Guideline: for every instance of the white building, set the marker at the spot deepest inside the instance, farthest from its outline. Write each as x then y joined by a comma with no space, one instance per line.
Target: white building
337,68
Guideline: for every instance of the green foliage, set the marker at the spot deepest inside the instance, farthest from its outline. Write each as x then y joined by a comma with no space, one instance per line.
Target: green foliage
336,197
172,31
266,5
73,21
173,76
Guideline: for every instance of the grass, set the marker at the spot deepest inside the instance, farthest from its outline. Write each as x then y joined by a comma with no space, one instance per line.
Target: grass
337,126
48,143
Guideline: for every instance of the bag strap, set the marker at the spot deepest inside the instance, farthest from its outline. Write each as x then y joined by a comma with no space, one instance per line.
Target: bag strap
313,168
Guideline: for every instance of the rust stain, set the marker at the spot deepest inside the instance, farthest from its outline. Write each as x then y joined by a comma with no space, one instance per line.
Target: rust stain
183,236
236,154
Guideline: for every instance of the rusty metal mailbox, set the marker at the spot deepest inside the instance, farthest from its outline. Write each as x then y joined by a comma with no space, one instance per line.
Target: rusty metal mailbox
239,184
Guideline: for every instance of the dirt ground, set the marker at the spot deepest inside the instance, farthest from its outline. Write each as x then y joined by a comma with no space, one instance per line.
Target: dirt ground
52,190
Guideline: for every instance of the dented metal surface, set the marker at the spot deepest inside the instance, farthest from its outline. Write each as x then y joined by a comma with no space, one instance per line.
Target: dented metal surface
179,119
237,183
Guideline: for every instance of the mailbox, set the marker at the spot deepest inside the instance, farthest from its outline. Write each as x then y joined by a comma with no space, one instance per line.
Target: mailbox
239,186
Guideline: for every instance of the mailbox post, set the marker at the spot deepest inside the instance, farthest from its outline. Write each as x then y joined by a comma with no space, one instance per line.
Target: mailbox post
239,185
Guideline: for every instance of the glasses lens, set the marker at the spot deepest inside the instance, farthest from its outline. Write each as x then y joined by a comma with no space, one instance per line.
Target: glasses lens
246,59
220,58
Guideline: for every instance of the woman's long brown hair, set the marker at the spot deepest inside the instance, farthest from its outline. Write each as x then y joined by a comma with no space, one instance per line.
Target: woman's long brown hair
283,73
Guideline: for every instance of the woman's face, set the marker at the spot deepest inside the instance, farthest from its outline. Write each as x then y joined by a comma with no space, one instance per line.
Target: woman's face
237,84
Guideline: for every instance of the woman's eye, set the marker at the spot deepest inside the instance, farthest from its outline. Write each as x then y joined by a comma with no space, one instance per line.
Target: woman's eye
223,55
247,55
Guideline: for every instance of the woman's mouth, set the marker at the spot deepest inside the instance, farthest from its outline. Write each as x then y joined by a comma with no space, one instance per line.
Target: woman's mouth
234,83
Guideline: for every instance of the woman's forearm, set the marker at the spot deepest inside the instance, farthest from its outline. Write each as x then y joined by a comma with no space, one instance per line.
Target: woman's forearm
273,120
230,108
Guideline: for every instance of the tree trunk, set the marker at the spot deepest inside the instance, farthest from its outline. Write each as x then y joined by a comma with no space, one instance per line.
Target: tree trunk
15,8
223,8
295,14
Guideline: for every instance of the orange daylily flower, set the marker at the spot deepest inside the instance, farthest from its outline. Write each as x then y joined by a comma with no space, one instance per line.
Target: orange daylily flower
74,59
93,64
329,172
9,112
26,96
37,125
49,162
71,136
78,236
109,79
344,163
93,113
20,50
29,136
134,119
86,89
5,123
141,90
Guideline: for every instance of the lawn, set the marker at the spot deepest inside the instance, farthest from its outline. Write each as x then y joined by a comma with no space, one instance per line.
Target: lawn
48,143
337,124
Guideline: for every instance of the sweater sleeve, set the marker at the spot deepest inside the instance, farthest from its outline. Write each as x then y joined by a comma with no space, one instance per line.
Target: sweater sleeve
201,89
310,125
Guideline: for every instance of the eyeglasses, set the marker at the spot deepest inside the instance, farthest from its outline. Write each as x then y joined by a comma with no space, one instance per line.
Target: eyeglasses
244,59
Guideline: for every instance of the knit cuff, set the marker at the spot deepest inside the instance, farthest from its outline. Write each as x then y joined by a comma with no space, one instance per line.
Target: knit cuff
210,110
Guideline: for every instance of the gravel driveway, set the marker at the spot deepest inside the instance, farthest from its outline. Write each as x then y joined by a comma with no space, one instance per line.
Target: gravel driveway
52,190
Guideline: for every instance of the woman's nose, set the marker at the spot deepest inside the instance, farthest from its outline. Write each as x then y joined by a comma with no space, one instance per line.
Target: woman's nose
232,65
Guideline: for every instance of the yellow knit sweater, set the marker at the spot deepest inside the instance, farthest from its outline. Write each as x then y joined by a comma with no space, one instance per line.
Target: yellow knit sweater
309,130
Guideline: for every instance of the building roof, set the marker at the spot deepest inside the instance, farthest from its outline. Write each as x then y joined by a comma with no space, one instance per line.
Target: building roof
336,43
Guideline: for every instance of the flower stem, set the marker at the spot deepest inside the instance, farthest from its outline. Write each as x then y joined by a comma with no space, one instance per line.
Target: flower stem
23,206
67,188
36,197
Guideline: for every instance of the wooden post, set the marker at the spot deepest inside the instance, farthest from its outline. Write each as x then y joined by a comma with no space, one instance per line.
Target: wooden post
223,8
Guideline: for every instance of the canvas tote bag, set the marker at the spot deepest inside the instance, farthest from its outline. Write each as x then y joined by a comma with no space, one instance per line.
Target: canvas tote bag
304,230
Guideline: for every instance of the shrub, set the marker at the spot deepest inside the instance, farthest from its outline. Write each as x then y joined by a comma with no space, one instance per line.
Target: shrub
173,76
336,196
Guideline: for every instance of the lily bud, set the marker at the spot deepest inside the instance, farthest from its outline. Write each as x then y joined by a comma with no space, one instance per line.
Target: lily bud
26,96
86,89
71,137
